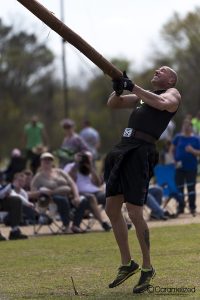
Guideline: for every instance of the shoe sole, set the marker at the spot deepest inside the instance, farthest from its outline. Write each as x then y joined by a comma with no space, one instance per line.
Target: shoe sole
140,292
125,278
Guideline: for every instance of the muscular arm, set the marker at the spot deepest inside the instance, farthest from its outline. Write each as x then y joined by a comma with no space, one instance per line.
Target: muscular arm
167,101
126,101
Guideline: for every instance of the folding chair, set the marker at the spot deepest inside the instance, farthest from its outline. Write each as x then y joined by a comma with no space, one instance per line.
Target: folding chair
165,177
48,214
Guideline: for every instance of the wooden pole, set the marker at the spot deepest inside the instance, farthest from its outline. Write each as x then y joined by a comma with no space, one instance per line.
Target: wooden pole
71,37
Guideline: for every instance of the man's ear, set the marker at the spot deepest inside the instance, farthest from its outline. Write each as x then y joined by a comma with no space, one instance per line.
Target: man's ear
171,81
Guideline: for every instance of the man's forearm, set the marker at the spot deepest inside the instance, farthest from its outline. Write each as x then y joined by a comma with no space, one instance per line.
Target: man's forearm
148,97
125,101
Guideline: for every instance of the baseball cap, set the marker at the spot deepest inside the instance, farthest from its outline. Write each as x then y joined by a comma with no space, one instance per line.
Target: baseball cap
47,155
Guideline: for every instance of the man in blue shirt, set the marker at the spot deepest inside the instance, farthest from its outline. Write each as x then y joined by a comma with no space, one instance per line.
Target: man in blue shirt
186,148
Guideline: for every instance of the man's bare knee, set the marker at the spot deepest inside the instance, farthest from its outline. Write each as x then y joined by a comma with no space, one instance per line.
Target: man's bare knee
135,213
113,207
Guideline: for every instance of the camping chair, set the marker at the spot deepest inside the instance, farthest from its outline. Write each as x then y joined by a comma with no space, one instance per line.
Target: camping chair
165,177
47,216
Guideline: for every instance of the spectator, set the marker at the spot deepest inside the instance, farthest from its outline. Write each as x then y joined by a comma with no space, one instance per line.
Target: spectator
12,205
72,142
186,147
30,215
154,202
17,164
35,141
196,123
28,178
91,137
60,188
86,177
88,183
166,154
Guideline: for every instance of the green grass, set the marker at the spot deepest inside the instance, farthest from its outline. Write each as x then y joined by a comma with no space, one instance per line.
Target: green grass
41,268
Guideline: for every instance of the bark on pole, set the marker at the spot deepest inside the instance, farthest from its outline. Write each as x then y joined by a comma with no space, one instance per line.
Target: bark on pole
71,37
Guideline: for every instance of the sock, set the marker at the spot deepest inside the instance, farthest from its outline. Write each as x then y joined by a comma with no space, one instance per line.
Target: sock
128,264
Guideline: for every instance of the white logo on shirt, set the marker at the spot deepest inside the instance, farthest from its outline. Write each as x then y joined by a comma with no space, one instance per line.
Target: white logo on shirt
127,132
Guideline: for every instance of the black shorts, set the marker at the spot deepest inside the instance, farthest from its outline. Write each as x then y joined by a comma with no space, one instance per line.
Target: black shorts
129,173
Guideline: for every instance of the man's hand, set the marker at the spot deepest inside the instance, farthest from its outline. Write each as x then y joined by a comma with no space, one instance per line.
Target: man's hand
118,86
121,84
127,83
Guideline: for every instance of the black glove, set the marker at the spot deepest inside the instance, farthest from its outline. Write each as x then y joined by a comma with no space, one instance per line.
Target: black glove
123,83
127,83
118,86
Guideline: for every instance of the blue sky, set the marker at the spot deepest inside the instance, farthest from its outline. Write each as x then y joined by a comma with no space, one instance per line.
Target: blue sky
113,27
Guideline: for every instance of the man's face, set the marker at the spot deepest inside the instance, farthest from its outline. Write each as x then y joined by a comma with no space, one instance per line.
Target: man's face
161,77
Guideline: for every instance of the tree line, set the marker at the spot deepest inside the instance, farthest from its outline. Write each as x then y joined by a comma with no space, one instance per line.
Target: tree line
29,86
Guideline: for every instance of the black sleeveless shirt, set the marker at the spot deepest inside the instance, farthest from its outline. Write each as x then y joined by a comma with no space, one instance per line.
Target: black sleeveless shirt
150,120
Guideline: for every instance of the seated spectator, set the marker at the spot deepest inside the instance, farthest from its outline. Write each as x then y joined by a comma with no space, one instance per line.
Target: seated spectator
17,164
60,188
30,215
154,202
28,178
88,203
86,177
72,142
12,205
88,183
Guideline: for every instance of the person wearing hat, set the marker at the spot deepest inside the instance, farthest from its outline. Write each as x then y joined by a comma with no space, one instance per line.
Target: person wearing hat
59,186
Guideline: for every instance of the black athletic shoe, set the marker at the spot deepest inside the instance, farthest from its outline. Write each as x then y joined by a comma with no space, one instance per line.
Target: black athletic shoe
124,272
193,212
144,281
106,226
17,235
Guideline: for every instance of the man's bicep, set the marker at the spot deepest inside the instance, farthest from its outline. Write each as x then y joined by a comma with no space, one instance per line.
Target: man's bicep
172,100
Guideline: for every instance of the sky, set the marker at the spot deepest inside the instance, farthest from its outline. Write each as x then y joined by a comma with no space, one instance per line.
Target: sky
115,28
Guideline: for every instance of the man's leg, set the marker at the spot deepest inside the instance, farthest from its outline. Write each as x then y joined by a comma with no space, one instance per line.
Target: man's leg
96,211
113,210
63,208
180,179
128,267
136,215
156,210
157,192
147,273
13,205
191,188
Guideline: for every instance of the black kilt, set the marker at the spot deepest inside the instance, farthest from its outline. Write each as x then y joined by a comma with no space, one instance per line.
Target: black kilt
129,168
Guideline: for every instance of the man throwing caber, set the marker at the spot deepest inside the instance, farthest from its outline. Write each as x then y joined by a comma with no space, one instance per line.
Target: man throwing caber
129,165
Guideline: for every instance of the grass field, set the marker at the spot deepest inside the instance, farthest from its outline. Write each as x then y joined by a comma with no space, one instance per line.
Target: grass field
41,268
